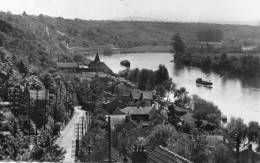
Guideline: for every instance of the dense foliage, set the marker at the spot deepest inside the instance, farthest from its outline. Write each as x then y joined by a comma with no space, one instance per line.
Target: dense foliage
210,35
150,80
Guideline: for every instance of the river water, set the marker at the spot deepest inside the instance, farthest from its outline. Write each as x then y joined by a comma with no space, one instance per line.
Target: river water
234,96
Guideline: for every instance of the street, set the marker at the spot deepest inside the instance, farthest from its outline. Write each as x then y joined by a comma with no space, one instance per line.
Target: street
67,135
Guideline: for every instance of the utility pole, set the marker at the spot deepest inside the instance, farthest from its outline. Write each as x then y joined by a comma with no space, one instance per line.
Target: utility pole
66,103
109,141
44,114
77,141
55,107
82,127
29,103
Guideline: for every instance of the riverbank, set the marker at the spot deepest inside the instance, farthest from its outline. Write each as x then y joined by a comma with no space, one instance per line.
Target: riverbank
239,64
147,49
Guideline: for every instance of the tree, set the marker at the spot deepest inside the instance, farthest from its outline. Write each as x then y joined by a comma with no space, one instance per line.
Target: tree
160,135
78,58
23,69
45,149
161,74
204,110
210,35
182,97
178,44
236,132
14,147
253,132
192,146
133,75
222,153
49,82
145,79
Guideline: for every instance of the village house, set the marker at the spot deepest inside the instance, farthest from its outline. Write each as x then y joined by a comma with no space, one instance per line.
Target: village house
39,94
249,156
70,66
138,114
143,98
147,98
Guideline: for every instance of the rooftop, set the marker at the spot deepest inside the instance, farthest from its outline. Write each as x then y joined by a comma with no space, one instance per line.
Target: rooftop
136,94
67,65
147,95
39,94
137,110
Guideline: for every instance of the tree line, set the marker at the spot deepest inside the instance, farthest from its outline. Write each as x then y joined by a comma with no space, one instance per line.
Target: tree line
245,65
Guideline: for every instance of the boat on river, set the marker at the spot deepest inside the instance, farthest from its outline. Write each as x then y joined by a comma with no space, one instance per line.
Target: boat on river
203,82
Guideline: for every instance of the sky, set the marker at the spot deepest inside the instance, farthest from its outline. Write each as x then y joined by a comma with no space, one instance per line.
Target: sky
226,11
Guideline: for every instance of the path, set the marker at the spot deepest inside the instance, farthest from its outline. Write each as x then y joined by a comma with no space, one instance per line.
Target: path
67,135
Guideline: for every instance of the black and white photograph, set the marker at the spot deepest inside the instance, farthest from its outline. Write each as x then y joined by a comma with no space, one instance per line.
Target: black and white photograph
130,81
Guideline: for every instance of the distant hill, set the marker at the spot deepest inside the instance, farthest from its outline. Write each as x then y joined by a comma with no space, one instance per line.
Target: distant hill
43,39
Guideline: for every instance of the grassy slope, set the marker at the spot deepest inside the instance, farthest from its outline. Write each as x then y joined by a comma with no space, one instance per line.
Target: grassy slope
51,33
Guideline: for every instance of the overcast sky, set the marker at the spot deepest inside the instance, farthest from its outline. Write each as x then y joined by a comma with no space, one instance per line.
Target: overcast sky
173,10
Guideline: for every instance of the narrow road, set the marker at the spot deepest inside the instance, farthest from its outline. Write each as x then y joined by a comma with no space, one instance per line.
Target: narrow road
67,135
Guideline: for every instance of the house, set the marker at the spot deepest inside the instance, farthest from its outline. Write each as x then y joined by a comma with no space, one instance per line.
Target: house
138,113
39,94
144,98
147,98
83,68
116,120
248,48
113,107
249,156
135,95
67,65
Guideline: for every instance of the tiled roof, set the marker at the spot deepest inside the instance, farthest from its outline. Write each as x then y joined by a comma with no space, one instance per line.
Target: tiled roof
137,110
128,125
67,65
162,155
147,95
136,94
117,111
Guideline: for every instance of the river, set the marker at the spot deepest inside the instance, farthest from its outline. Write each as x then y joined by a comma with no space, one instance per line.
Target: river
234,96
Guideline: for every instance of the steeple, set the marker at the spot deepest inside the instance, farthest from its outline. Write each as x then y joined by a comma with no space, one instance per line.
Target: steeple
97,60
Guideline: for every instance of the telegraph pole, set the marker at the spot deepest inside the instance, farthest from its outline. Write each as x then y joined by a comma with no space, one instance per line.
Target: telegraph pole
29,103
45,108
109,141
82,127
55,107
77,140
